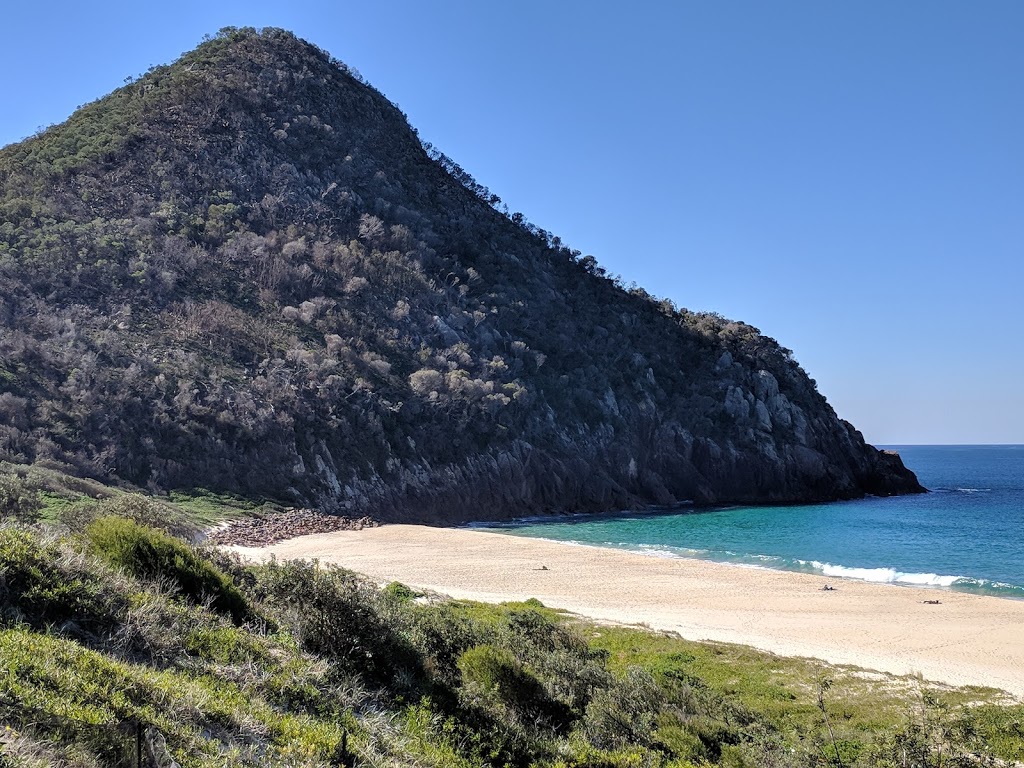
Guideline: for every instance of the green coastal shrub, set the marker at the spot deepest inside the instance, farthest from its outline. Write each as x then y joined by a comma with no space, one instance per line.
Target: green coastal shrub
150,554
338,614
399,592
441,633
224,645
624,714
42,588
19,501
144,510
499,676
495,670
570,670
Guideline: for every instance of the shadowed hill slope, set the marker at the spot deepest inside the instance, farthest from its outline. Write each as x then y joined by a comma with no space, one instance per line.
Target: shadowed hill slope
245,272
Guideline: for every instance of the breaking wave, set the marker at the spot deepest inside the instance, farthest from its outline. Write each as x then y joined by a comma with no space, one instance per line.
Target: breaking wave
772,562
882,575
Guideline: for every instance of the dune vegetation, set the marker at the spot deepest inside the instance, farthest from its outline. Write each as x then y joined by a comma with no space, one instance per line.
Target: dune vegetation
118,634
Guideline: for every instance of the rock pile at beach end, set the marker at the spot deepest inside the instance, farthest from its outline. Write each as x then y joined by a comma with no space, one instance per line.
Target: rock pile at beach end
264,530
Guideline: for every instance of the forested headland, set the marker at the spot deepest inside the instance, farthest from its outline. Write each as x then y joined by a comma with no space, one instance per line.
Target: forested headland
245,272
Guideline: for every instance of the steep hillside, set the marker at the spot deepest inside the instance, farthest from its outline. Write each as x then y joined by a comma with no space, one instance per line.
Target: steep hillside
245,272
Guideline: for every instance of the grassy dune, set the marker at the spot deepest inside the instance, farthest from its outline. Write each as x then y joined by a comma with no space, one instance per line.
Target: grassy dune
113,630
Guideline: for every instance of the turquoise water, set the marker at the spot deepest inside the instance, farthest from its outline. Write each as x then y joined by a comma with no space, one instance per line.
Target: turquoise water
967,534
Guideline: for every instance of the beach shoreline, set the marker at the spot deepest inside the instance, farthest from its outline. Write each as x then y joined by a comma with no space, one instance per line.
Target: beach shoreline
963,639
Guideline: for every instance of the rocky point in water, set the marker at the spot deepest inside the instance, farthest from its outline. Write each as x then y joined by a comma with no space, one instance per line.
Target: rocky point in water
245,272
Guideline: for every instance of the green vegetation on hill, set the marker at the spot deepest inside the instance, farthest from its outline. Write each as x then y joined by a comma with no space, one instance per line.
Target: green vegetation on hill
244,272
121,632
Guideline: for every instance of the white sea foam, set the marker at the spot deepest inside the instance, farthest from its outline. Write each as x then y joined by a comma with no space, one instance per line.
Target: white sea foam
658,552
885,575
675,551
831,570
768,558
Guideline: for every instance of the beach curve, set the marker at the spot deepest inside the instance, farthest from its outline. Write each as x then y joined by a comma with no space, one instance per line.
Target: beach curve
963,639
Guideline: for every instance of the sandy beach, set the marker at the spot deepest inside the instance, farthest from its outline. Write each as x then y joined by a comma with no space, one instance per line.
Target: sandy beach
964,640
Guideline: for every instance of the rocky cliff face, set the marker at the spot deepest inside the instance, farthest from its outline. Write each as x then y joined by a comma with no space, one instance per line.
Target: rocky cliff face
245,272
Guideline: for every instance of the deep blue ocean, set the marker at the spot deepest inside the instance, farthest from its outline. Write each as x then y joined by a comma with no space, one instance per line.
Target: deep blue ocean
967,534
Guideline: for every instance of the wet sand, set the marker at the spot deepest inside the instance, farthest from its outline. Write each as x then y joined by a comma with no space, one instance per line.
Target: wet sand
964,640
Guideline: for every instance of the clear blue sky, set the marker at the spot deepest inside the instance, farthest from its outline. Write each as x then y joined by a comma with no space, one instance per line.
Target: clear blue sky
848,177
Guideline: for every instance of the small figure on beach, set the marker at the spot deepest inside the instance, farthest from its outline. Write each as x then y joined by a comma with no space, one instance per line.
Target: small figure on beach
932,602
828,588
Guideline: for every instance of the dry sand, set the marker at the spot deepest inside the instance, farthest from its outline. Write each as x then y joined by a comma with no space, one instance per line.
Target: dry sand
965,640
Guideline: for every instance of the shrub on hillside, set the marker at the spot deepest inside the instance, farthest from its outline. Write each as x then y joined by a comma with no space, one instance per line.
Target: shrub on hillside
41,586
570,669
151,554
143,510
399,593
441,634
624,714
933,736
497,675
19,501
336,613
496,670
